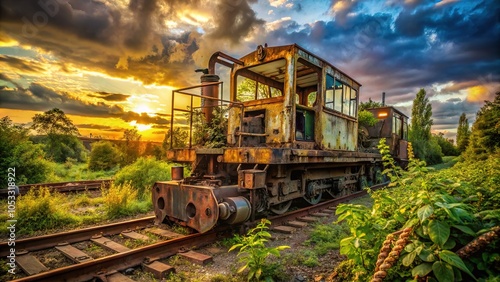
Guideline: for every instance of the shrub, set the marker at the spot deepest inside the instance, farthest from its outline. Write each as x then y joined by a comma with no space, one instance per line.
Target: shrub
31,167
142,174
121,200
104,156
42,209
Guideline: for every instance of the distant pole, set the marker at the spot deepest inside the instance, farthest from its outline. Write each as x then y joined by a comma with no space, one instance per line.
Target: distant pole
383,98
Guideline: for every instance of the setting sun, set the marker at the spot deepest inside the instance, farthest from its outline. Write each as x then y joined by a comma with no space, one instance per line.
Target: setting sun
139,126
142,108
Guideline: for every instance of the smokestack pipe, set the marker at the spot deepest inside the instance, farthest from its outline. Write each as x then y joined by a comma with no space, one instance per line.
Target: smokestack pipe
383,98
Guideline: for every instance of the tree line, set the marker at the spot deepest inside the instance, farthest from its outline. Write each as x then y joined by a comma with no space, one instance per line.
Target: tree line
56,141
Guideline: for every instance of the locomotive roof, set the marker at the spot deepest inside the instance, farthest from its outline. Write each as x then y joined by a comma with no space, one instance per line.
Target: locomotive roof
295,48
388,107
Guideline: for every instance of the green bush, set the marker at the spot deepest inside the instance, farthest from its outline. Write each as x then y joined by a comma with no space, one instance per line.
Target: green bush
42,209
104,156
31,167
142,174
16,151
59,148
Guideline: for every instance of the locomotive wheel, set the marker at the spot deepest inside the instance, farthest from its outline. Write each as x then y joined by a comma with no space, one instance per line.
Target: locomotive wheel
313,200
281,208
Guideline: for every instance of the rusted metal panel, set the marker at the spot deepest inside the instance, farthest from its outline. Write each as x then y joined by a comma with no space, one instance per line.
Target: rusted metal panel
293,156
197,206
252,178
181,155
338,133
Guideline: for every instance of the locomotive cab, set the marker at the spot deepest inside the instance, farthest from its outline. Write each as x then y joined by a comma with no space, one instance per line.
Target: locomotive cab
393,126
291,134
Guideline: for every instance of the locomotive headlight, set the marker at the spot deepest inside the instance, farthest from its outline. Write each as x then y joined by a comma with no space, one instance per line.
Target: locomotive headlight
382,114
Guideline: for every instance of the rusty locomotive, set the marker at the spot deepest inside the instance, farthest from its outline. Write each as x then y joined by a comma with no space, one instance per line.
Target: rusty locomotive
292,133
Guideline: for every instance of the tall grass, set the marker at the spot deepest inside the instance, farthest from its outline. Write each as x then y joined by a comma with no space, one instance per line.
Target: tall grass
122,200
41,209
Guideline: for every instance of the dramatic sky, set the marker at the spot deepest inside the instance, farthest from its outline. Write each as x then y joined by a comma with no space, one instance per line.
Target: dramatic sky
111,65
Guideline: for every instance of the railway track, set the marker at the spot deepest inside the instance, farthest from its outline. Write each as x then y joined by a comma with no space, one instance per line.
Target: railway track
107,268
62,187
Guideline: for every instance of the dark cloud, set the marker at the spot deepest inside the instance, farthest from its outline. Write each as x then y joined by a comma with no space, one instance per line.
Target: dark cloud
143,118
21,64
99,127
111,97
125,41
4,77
234,20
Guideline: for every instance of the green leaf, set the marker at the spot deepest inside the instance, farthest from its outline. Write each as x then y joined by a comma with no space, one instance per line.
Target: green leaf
438,232
427,255
424,212
450,244
443,271
422,269
409,258
465,229
456,261
242,268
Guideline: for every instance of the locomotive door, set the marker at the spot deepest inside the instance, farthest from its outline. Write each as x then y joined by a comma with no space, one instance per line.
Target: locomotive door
307,83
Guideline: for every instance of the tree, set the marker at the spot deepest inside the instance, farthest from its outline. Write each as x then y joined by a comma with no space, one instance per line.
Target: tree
179,138
485,135
369,105
104,156
446,145
131,146
61,141
420,130
54,122
17,151
463,133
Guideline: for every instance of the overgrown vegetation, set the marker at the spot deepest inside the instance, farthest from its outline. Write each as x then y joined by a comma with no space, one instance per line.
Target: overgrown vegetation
253,253
104,156
122,200
446,211
16,150
142,174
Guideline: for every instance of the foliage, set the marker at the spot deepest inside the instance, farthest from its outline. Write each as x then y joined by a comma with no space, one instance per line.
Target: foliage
16,151
485,136
41,209
59,148
447,147
104,156
60,140
179,138
326,237
142,174
446,211
369,105
54,122
463,133
213,134
366,118
130,146
420,131
122,199
253,253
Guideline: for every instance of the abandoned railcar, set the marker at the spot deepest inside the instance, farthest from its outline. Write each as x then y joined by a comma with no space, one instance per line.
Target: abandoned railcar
291,133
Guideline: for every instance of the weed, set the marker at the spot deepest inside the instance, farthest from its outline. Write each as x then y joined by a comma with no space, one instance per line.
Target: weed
326,237
121,200
253,253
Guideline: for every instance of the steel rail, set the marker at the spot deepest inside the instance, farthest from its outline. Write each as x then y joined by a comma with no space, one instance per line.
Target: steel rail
283,219
62,186
120,261
49,241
